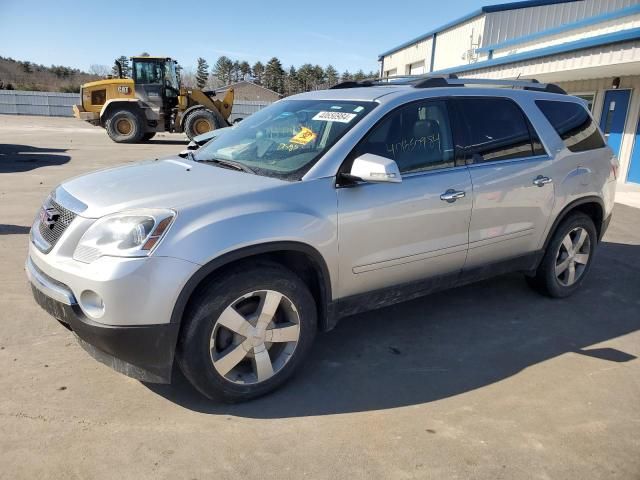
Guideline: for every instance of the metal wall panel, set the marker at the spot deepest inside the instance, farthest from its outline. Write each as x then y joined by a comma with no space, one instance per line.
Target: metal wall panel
505,25
16,102
402,59
454,43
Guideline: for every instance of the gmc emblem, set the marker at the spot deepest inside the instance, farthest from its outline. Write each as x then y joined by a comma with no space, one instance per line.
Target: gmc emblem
49,216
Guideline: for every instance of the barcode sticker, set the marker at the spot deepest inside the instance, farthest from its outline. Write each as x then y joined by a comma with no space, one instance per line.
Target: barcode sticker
341,117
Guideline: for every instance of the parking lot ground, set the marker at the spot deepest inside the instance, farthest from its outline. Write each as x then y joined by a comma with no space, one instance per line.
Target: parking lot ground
488,381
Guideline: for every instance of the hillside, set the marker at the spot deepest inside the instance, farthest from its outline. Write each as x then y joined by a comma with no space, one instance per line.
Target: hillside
22,75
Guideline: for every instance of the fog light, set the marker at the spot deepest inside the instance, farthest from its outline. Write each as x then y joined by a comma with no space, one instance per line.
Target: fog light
92,303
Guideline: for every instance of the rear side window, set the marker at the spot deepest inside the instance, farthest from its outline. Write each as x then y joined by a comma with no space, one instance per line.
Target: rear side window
573,123
494,129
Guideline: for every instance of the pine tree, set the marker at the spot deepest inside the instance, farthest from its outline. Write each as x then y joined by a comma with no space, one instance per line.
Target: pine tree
245,70
124,63
258,72
331,75
346,76
202,73
222,70
359,75
274,75
292,83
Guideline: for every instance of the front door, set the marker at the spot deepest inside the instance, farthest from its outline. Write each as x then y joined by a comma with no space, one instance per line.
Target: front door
393,233
513,192
614,117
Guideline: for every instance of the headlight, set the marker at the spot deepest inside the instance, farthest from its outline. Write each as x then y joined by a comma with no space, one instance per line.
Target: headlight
125,234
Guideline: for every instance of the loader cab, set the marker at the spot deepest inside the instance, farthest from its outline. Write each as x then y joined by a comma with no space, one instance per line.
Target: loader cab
156,81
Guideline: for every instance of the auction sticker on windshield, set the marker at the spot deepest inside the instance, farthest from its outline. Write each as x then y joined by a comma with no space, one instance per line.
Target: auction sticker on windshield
341,117
304,136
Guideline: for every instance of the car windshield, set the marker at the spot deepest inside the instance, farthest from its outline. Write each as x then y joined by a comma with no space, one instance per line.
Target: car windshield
285,139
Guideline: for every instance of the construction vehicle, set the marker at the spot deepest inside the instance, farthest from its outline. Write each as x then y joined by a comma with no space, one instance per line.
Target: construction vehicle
134,109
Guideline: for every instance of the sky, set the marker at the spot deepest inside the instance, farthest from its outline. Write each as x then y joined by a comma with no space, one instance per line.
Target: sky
347,34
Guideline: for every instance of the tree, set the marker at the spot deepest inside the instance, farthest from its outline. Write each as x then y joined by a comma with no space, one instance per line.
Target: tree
235,71
245,70
258,72
274,75
331,75
359,76
223,69
144,54
99,70
346,76
202,73
124,62
292,83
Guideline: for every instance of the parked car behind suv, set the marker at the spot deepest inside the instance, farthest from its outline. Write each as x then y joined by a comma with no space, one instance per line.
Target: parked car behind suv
322,205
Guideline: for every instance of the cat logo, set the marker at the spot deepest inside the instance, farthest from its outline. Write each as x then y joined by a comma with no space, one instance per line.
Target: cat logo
123,89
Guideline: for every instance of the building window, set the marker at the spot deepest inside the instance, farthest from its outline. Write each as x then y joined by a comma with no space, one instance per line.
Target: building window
589,97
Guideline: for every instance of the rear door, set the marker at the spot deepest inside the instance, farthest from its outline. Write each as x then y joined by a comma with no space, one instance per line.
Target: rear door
513,192
394,233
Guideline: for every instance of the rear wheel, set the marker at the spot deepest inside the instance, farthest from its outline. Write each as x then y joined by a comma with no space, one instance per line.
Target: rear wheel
568,257
246,332
202,121
124,126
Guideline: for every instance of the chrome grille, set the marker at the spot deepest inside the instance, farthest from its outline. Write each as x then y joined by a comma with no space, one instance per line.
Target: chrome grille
54,220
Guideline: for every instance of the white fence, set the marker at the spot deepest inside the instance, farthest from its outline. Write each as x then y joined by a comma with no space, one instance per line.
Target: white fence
53,104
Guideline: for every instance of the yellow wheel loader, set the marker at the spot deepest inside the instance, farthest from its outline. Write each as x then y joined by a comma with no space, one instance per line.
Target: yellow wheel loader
133,109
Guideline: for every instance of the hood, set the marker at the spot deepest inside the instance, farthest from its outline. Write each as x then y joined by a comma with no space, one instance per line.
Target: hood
167,183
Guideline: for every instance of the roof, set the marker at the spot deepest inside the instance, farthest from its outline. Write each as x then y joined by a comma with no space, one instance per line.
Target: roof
244,82
482,10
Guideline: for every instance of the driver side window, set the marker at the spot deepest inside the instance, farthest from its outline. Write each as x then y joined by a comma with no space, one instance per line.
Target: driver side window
417,136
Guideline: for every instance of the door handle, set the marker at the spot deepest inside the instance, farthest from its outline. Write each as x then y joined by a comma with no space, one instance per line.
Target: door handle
452,195
541,181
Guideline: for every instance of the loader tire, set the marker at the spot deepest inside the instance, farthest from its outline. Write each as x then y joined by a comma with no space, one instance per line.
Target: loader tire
125,126
202,121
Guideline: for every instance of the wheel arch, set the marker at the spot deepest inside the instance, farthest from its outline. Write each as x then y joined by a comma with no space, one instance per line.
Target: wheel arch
301,258
125,104
592,206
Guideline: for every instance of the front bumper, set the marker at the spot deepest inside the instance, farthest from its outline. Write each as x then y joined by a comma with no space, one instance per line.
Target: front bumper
144,352
80,113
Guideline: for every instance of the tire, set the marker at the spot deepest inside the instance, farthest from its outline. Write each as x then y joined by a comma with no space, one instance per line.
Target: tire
225,365
202,121
148,136
125,126
551,279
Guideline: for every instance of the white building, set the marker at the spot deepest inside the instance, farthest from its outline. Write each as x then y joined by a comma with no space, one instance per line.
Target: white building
591,48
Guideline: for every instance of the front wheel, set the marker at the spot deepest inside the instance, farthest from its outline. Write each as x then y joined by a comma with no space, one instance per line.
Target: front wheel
568,257
246,332
202,121
125,126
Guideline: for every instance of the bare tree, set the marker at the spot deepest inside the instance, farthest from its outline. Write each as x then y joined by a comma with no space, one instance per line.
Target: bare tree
99,70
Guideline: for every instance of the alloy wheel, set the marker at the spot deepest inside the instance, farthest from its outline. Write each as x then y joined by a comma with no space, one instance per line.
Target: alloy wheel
254,337
573,256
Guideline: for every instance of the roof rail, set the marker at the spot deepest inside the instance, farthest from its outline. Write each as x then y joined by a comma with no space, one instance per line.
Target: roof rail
450,80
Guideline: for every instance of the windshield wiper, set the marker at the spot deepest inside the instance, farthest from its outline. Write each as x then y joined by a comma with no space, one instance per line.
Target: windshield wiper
228,164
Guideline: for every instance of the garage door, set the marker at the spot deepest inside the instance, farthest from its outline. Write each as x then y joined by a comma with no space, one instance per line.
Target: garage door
417,68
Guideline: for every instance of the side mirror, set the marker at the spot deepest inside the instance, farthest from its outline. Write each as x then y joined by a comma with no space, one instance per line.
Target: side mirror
375,169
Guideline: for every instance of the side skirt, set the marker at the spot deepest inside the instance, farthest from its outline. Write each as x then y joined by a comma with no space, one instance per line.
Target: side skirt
401,293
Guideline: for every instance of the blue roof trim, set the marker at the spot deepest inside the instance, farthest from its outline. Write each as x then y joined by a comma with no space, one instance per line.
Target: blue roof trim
526,4
617,37
476,13
605,17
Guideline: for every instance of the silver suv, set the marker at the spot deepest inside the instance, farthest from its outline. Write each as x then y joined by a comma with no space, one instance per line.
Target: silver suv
228,260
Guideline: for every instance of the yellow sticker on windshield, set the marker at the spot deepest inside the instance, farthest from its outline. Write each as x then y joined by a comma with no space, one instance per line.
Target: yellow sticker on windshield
304,136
